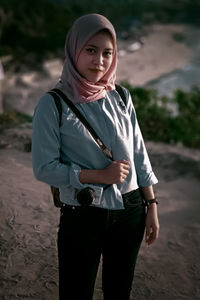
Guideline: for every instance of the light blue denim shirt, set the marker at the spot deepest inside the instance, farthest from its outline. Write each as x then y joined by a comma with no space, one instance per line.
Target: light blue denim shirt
117,126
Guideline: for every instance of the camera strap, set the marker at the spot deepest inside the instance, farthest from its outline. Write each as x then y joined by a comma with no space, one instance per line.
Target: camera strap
55,93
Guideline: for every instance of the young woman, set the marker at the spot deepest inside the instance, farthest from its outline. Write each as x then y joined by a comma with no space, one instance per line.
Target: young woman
66,156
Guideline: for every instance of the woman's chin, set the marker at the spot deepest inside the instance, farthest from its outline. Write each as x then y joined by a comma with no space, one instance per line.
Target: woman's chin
94,77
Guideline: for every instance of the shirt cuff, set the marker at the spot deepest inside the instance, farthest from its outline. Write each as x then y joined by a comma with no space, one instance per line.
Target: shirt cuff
74,177
147,179
75,182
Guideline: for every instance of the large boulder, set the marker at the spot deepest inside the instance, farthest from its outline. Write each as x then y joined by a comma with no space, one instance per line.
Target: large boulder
22,90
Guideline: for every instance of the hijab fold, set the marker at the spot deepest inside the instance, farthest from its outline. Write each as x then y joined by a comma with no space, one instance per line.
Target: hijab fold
77,88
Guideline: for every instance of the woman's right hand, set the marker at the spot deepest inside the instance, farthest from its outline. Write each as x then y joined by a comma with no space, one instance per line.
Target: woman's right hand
116,172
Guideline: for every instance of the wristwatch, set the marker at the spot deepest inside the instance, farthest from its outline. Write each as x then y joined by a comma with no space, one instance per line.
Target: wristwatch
149,202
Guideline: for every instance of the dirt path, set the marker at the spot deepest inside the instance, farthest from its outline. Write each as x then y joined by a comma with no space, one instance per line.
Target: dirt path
28,225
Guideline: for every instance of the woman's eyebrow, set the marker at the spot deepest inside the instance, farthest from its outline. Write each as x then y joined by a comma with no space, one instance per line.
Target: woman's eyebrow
90,45
109,49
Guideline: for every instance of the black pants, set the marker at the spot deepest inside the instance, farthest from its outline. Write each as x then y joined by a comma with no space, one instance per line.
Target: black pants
87,232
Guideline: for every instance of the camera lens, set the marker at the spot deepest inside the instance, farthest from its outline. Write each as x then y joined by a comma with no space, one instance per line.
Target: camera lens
86,196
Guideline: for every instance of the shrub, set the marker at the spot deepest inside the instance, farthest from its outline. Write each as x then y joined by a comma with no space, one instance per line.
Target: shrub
156,120
186,126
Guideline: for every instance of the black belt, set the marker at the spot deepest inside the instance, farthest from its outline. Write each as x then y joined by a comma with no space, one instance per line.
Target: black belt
132,197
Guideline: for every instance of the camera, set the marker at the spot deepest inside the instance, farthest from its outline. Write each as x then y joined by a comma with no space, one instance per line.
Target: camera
86,196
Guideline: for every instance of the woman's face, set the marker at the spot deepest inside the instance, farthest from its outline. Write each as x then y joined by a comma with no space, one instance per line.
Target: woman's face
96,57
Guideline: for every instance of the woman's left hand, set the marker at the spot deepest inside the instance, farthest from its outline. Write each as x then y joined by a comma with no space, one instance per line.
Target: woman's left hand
152,224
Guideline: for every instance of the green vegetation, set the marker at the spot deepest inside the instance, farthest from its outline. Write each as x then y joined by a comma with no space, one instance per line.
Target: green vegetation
158,123
186,126
32,31
13,118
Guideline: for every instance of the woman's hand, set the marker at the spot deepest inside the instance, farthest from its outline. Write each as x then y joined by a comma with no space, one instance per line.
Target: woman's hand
116,172
152,224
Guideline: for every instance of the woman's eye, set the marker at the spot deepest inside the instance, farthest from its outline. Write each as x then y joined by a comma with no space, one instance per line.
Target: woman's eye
108,53
90,50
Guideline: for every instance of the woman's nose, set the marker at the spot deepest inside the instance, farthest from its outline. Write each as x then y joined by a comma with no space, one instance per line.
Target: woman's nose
98,59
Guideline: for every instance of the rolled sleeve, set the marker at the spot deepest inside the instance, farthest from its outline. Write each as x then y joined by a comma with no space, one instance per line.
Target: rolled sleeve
74,181
74,177
47,166
145,175
147,179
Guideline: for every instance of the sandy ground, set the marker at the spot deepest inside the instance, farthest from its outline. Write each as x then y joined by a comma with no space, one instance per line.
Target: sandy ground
169,269
160,54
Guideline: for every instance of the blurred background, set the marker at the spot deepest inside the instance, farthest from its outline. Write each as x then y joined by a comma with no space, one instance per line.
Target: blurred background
159,61
158,47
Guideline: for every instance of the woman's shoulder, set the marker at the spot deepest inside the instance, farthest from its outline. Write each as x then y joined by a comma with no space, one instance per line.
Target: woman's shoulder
46,101
46,108
46,105
123,92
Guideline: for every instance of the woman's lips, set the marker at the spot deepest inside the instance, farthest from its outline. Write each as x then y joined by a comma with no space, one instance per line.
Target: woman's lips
95,70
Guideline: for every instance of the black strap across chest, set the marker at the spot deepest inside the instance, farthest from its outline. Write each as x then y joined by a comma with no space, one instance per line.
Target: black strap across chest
56,94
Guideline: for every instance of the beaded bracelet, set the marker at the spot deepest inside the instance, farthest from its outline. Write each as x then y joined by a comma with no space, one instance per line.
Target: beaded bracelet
149,202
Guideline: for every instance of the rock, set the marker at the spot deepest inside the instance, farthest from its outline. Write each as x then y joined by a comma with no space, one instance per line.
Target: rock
53,67
17,138
134,47
22,91
121,53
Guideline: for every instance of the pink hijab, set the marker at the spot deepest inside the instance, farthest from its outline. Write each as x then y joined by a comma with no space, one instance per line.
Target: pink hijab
77,88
